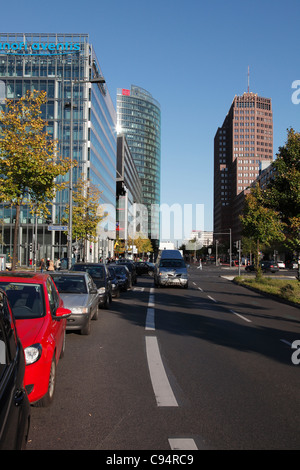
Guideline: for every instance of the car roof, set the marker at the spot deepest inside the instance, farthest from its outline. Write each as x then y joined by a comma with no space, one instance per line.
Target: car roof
70,273
24,276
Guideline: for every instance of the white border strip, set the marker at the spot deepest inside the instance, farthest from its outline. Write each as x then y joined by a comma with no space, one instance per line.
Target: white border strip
162,390
182,444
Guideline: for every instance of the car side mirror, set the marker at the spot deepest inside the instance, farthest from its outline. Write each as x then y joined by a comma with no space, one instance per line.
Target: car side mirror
62,313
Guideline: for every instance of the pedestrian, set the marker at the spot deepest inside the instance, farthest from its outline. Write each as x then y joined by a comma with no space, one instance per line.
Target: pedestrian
57,264
42,265
51,265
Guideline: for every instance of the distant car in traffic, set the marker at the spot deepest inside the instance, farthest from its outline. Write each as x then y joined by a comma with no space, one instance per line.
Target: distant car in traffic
281,264
41,324
123,276
14,403
100,275
269,266
131,267
80,295
250,267
115,284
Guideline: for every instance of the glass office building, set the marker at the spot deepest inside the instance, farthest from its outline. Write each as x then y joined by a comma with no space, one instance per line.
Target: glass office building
77,111
139,119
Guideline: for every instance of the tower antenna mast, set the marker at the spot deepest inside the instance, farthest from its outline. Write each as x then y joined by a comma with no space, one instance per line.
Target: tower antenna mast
248,78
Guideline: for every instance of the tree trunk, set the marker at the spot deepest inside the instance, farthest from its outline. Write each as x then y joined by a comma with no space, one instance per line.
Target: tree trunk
16,236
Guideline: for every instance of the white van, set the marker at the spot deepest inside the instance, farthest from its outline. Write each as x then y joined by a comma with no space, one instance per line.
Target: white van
170,269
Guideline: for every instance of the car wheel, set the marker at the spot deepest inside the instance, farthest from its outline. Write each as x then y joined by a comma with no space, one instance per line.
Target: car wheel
48,398
96,314
86,330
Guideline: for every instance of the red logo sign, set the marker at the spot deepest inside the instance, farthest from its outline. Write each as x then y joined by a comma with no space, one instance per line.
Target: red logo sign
125,92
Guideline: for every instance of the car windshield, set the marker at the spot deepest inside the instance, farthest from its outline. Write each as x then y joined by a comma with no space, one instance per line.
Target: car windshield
70,284
172,263
96,272
26,300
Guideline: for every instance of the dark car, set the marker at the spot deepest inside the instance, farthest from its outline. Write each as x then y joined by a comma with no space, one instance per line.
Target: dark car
131,267
250,268
123,276
269,266
14,403
144,267
100,275
115,284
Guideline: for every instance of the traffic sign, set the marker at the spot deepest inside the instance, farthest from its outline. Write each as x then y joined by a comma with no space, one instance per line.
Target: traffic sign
61,228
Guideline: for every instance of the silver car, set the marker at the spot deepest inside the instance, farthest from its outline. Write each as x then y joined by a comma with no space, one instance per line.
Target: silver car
80,295
171,272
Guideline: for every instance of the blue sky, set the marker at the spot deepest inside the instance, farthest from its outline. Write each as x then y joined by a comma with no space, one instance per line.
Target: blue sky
193,57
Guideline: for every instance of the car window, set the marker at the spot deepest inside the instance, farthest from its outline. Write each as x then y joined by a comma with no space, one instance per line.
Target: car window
68,284
26,300
52,296
172,263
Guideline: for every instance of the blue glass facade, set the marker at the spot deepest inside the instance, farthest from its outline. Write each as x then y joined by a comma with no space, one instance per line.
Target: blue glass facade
62,65
139,119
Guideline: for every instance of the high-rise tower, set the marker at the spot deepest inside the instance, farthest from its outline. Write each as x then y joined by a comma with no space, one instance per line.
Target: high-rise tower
242,147
139,119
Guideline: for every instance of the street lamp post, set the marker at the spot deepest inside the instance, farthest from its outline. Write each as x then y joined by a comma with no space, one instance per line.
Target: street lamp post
70,227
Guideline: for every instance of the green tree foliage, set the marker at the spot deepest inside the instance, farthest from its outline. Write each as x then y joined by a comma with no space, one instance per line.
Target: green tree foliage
86,212
260,223
29,164
283,192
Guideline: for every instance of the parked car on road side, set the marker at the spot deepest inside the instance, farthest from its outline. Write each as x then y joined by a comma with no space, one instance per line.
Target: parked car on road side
131,267
115,284
100,275
123,276
80,295
14,403
41,324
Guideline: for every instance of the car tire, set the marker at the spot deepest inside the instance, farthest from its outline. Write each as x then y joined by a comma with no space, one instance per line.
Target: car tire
86,330
96,314
47,399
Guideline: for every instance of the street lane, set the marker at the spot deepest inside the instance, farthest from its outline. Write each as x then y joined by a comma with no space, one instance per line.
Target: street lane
233,381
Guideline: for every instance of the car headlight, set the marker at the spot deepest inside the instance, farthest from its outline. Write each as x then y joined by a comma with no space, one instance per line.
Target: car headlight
113,286
32,353
101,290
80,310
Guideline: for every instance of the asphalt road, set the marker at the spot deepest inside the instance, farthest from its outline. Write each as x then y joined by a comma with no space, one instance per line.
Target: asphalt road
167,368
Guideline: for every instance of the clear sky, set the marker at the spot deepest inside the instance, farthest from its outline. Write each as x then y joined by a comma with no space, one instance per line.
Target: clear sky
193,57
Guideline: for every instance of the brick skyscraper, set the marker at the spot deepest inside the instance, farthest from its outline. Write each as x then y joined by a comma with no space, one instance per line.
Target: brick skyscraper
242,146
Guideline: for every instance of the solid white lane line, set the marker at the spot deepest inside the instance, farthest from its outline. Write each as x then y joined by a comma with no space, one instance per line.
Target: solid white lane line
182,444
162,389
150,324
211,298
241,316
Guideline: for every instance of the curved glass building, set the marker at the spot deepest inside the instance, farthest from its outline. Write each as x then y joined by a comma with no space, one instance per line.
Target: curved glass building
139,119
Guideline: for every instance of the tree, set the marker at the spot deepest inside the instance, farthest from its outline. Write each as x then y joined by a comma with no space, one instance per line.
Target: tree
260,223
283,191
29,164
86,214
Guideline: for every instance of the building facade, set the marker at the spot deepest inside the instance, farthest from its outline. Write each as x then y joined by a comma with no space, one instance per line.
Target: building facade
129,194
243,145
139,119
80,115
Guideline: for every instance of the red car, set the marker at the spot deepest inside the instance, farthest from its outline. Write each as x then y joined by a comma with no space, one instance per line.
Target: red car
41,324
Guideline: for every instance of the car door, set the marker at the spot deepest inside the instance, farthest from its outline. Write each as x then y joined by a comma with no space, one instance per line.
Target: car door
57,326
14,404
